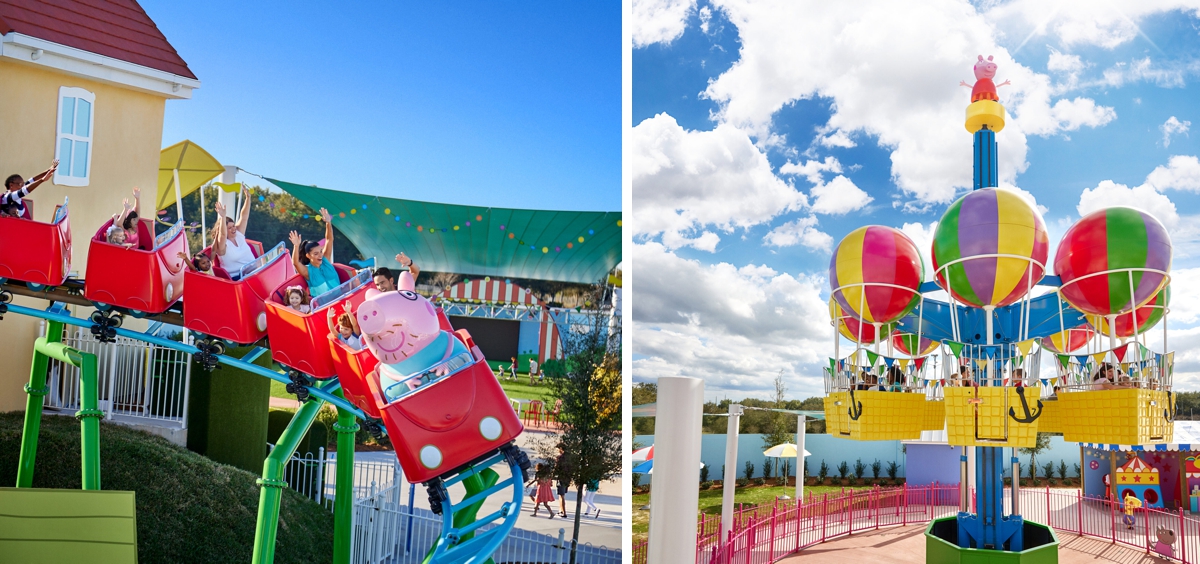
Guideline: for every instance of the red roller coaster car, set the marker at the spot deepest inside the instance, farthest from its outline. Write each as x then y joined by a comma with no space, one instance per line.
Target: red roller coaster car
147,279
33,252
355,368
236,310
300,340
450,422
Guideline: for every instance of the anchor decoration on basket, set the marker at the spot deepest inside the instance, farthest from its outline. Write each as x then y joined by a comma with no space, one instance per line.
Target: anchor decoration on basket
1029,417
855,407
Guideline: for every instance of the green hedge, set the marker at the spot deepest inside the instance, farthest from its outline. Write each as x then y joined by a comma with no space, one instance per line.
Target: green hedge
227,418
189,508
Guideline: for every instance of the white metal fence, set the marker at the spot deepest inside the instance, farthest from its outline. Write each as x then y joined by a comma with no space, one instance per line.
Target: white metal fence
138,381
388,529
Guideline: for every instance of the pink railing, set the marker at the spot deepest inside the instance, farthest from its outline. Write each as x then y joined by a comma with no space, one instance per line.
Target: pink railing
765,533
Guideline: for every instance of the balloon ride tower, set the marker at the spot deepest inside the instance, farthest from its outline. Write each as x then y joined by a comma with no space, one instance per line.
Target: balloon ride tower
975,352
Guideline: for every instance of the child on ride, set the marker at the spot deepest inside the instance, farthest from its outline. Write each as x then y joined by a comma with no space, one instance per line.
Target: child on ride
297,299
200,263
16,189
314,261
116,236
128,218
347,327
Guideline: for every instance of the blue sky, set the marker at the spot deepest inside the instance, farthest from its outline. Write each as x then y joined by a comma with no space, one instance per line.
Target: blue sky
722,86
467,103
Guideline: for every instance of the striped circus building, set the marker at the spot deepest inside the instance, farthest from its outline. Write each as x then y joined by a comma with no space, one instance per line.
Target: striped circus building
538,333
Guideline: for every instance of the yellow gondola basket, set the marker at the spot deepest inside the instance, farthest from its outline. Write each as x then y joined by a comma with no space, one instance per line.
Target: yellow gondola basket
935,415
874,416
1132,416
1051,420
980,416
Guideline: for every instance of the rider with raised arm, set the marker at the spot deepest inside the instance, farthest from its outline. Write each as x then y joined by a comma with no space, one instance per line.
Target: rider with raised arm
313,261
229,238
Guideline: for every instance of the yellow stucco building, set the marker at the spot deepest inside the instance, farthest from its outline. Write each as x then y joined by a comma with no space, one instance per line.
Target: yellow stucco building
90,89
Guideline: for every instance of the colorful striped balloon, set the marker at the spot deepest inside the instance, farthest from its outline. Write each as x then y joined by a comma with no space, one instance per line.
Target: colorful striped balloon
990,248
1100,252
1148,316
907,344
849,327
876,274
1070,340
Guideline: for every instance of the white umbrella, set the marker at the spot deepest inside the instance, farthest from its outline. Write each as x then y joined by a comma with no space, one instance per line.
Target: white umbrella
785,450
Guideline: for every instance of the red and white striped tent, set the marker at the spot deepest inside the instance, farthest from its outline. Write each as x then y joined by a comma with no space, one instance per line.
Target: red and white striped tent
498,292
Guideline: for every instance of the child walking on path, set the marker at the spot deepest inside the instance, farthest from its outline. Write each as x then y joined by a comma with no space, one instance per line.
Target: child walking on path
545,491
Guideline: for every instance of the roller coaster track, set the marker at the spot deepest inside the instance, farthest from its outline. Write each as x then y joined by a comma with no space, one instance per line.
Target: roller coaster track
461,540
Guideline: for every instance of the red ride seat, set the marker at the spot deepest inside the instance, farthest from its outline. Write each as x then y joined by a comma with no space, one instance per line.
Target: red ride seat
142,280
235,310
300,340
36,252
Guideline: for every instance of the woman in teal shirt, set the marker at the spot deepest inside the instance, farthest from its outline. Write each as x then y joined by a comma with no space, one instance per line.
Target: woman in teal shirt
315,262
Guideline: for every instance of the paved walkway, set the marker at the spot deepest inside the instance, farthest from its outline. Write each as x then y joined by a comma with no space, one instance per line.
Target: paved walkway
906,545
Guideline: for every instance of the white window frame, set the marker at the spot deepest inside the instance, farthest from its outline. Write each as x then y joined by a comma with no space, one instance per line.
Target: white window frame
72,92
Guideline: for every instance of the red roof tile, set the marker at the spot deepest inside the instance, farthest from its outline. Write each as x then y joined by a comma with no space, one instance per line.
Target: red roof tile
114,28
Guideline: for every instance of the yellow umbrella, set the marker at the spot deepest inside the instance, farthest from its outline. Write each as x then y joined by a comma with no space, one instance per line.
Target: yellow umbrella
182,168
785,450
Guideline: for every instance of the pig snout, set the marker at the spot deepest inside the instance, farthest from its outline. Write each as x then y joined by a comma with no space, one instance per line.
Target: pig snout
371,318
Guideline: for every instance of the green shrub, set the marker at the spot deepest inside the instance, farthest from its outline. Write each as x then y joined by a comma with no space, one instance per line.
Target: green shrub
749,470
704,473
760,481
823,471
843,470
704,485
875,468
860,469
893,469
1062,469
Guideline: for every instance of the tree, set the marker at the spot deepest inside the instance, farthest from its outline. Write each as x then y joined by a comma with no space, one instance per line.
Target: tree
779,429
1042,444
590,421
644,393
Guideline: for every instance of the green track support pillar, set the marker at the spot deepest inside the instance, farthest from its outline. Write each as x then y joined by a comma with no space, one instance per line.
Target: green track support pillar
273,483
343,501
45,349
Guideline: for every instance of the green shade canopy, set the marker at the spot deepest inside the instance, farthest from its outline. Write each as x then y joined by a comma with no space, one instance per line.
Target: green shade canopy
566,246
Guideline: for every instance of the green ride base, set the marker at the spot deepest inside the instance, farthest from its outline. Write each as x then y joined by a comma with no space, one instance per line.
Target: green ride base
941,546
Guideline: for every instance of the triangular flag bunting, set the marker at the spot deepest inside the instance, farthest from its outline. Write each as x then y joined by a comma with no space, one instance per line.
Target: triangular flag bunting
989,352
1018,360
1083,359
871,358
955,348
1120,351
981,363
919,362
1099,357
1025,346
904,363
889,361
833,365
1064,359
1045,382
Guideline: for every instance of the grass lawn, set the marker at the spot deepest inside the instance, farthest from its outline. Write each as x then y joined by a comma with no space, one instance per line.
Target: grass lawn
710,502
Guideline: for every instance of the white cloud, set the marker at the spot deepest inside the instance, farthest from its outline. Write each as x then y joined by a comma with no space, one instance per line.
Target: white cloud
888,69
659,21
1173,127
684,181
1073,114
1027,196
1103,24
1144,197
1181,173
802,231
705,18
811,170
1169,76
735,327
837,138
922,236
840,196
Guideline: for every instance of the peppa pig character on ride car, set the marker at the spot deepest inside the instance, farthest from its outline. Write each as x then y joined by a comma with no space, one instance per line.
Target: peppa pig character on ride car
402,331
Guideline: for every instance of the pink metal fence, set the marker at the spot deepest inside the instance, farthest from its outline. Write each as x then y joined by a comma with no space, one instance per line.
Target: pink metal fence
765,533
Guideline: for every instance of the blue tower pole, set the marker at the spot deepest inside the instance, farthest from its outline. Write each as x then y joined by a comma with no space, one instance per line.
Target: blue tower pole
986,175
989,528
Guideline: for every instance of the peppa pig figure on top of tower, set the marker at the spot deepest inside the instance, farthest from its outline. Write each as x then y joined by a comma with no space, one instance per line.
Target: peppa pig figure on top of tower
401,329
984,88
